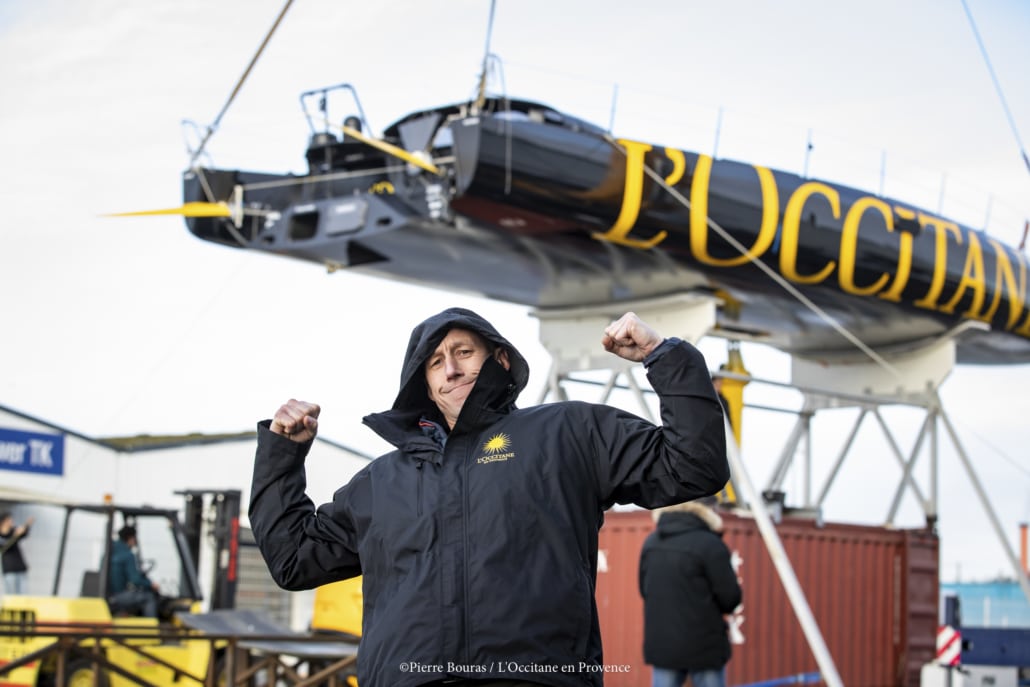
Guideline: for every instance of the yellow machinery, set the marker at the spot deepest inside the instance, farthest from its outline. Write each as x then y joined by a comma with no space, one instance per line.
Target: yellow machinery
77,637
338,608
337,611
731,393
60,639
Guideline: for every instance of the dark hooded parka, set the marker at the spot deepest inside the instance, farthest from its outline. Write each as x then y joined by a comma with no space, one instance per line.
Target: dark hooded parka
687,579
478,545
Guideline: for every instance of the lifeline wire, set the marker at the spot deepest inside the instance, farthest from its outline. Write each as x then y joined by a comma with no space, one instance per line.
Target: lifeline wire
239,84
997,86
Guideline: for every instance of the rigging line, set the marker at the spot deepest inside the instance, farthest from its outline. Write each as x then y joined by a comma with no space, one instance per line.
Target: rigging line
486,56
332,176
997,85
987,442
202,180
506,104
770,272
205,185
239,84
210,195
381,145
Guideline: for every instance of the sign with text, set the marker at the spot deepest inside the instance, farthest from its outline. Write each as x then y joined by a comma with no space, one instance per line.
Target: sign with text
31,452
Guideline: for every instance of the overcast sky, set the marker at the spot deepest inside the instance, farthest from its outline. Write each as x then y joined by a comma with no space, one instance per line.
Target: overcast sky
116,326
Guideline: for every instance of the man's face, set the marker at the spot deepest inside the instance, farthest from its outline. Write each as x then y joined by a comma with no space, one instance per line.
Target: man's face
452,370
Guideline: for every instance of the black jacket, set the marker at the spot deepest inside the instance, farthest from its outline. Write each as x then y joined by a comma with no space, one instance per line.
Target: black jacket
688,584
11,560
479,555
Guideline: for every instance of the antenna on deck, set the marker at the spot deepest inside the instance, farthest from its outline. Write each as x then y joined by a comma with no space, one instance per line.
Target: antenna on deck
481,97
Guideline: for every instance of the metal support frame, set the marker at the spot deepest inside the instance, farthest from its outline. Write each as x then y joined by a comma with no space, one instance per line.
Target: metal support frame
914,382
928,434
795,594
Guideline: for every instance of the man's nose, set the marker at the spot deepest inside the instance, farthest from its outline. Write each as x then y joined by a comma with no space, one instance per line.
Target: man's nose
451,367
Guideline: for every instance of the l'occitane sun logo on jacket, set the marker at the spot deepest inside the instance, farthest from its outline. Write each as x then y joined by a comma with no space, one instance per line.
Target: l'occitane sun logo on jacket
496,449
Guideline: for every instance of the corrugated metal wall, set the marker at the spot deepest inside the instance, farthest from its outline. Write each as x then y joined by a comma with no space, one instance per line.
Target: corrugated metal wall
256,590
872,590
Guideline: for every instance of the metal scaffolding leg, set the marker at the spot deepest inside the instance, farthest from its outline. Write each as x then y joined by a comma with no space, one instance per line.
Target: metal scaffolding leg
928,422
906,471
798,434
845,449
982,494
782,564
857,385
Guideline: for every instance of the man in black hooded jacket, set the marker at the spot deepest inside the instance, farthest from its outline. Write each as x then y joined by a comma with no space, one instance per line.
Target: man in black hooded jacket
477,536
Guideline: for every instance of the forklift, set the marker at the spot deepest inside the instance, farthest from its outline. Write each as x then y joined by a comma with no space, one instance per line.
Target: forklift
76,636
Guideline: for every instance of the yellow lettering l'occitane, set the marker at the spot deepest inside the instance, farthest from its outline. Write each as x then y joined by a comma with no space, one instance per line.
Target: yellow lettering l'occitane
1004,276
904,270
699,215
631,196
940,257
972,278
849,245
792,231
1024,329
679,165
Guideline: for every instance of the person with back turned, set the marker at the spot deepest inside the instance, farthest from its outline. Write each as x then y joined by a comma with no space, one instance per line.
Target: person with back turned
477,536
689,585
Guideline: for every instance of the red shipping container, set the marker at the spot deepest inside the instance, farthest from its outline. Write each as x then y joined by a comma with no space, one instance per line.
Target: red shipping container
872,590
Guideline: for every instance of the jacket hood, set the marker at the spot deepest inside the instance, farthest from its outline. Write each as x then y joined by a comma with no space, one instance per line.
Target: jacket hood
670,518
413,396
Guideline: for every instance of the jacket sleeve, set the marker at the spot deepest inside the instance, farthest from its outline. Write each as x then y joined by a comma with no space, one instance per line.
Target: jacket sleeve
136,575
303,547
719,570
125,570
642,568
684,458
9,540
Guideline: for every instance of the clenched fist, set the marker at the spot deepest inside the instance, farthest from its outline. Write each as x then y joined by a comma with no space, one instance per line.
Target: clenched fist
629,338
296,420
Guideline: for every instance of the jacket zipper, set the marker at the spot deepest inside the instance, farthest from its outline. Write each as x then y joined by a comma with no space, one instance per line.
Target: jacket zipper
465,532
418,489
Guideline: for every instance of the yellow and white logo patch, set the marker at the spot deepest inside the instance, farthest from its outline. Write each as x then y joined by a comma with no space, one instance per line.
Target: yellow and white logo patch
496,449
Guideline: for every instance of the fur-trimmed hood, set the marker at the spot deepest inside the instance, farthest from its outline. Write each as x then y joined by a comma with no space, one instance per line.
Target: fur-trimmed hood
708,516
